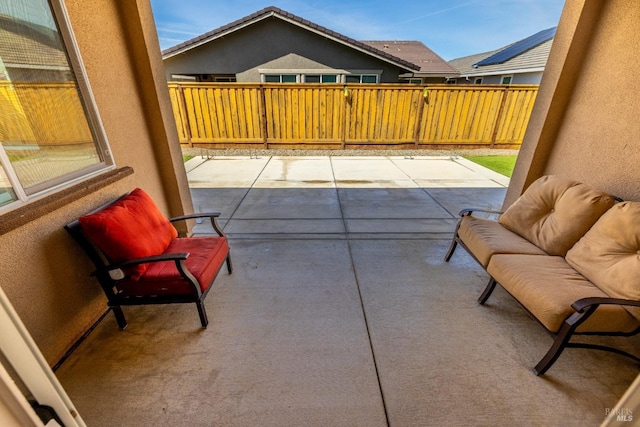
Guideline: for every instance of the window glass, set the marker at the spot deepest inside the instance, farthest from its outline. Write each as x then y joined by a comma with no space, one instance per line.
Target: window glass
506,80
478,81
312,78
329,78
352,78
289,78
7,195
369,79
45,133
272,78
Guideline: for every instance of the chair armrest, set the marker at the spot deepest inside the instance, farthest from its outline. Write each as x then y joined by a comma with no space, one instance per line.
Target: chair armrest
178,256
469,211
211,215
196,215
585,303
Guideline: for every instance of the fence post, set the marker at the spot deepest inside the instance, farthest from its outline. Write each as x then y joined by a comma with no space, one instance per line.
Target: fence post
425,100
347,106
184,114
496,126
263,117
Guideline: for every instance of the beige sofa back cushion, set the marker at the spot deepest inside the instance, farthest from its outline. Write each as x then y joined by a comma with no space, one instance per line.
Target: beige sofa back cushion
609,254
555,212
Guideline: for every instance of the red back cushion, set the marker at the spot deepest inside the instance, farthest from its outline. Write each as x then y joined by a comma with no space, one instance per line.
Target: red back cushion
132,227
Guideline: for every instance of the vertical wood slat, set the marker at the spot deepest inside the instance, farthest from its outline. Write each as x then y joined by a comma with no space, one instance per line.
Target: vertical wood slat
321,114
46,113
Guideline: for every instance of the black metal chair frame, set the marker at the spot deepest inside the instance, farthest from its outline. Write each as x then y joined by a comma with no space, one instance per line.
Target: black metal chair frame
583,307
105,268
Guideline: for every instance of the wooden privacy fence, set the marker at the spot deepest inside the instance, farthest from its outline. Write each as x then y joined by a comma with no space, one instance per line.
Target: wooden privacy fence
245,115
46,113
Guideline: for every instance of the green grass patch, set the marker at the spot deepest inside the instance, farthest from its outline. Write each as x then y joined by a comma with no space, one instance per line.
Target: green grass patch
502,164
186,158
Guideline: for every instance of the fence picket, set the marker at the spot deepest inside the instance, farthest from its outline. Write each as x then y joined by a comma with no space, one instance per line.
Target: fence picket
323,115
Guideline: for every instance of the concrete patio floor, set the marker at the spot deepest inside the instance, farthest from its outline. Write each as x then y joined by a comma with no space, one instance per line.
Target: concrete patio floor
340,312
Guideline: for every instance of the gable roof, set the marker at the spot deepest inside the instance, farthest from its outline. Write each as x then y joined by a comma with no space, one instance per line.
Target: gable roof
416,52
274,12
527,55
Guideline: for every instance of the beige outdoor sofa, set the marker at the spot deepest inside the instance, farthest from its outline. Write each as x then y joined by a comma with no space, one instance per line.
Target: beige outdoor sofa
569,254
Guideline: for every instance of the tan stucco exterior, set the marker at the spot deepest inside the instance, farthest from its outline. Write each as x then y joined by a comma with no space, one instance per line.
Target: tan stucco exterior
585,121
45,274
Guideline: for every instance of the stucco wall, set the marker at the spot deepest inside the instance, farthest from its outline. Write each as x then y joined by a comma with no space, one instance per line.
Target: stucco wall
599,140
584,123
45,275
252,47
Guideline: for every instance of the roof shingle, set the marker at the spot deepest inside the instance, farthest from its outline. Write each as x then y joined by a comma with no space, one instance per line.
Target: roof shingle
417,53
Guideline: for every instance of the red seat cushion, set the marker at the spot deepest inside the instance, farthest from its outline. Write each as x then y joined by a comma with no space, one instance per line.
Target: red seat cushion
132,227
206,256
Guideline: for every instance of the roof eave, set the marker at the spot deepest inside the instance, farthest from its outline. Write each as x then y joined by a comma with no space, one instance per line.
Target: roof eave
215,36
429,74
505,71
324,32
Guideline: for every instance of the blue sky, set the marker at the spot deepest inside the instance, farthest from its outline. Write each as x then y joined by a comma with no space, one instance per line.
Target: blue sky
452,28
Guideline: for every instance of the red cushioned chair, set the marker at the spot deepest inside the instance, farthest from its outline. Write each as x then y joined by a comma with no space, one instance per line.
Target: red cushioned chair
140,259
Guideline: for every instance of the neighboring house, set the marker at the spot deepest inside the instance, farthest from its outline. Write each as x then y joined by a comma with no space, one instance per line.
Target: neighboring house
273,45
522,62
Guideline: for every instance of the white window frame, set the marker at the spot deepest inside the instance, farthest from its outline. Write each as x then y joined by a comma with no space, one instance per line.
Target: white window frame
360,76
321,76
478,80
341,74
506,76
263,77
94,122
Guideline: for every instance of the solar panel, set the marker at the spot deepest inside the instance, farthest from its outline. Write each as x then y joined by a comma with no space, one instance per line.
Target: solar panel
518,47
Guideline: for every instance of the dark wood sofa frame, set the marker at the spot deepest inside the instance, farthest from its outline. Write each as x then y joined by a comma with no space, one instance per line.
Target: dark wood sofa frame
584,308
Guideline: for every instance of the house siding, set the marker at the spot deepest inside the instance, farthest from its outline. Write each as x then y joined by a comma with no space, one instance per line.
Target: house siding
518,79
273,43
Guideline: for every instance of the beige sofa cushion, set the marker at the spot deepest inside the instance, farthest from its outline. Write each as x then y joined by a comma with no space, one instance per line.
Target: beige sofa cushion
547,286
485,238
554,212
609,254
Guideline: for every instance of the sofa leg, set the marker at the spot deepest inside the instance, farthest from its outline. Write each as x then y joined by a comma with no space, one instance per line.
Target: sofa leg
119,315
452,248
229,265
487,291
559,344
203,314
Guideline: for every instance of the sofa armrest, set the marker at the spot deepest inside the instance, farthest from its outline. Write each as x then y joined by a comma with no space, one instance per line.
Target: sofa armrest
211,215
469,211
585,303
